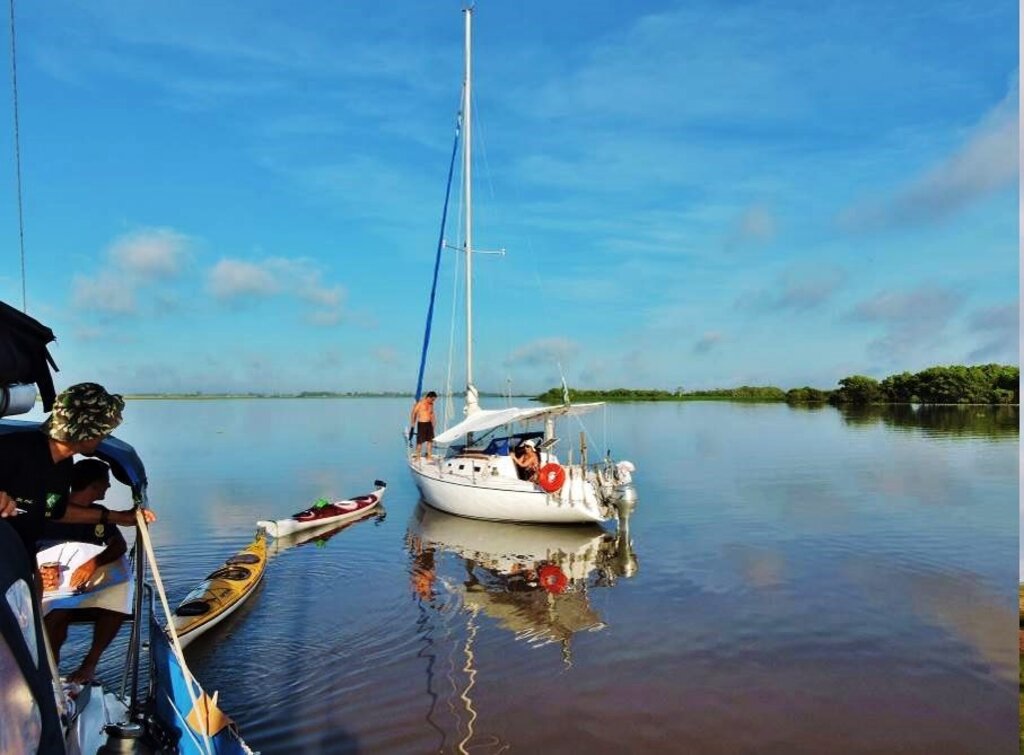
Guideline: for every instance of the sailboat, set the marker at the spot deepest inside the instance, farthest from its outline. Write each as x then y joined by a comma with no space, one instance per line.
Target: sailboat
477,477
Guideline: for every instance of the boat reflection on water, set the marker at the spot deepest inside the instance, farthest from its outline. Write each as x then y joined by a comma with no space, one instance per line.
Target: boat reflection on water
532,579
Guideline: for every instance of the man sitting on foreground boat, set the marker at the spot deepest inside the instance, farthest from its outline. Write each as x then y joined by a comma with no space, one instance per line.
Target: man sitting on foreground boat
90,479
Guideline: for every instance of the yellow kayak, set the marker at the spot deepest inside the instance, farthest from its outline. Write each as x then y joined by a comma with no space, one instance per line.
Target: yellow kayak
222,592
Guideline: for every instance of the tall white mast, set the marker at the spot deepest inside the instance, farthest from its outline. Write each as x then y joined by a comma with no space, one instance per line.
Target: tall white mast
472,402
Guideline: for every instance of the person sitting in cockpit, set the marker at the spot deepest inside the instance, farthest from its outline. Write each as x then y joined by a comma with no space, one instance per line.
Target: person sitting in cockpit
527,460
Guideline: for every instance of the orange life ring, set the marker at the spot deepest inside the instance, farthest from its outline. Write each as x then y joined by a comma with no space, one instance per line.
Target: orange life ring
551,477
552,578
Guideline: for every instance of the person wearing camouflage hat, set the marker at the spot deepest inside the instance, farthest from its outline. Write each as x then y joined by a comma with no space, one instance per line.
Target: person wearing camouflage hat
84,413
35,468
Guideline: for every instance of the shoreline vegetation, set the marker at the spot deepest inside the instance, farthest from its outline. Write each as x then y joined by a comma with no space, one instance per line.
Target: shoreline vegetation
991,384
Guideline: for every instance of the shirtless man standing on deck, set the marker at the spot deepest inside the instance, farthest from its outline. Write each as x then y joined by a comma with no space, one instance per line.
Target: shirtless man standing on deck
423,419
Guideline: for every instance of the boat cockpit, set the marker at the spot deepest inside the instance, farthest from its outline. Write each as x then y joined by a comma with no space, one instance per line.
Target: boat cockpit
500,445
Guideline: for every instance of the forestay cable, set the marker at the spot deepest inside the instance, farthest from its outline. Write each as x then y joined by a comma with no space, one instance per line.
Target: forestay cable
437,261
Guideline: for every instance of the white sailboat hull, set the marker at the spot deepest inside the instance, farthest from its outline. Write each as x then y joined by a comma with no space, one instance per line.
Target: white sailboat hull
475,492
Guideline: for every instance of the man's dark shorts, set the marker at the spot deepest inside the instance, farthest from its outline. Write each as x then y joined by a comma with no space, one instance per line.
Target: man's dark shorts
424,432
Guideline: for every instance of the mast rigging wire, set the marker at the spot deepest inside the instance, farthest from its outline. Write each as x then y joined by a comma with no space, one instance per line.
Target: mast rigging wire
437,260
17,159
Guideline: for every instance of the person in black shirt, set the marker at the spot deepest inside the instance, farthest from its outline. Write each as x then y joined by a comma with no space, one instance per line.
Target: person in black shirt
90,479
35,467
33,484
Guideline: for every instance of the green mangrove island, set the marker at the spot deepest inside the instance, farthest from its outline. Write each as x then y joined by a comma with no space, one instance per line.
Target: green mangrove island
955,384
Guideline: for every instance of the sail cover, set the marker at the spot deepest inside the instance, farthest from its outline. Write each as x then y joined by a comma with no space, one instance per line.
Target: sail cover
488,419
24,358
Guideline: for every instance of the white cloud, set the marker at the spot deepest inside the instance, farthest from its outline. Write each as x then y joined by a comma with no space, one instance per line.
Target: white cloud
325,317
808,292
707,342
233,280
387,356
107,292
236,279
924,303
544,352
150,253
999,329
987,162
913,319
86,333
756,224
1000,318
134,262
795,291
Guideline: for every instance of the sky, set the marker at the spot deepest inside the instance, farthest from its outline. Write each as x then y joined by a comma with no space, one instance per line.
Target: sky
246,196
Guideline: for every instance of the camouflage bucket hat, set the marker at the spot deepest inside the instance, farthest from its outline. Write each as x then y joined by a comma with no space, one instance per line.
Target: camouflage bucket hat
84,412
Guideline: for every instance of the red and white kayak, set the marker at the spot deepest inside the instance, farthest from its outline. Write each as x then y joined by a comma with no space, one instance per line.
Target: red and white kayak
326,512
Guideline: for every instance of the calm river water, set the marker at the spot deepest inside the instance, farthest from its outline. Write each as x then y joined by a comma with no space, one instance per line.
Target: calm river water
793,581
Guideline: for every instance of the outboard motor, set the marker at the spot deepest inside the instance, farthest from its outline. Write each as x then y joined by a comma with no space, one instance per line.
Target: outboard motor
625,498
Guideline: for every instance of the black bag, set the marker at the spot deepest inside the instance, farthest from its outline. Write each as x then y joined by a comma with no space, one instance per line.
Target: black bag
24,357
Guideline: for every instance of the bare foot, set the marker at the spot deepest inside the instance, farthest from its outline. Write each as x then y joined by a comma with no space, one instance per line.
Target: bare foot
84,674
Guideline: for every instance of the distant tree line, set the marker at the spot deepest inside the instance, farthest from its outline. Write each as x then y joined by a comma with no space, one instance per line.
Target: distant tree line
955,384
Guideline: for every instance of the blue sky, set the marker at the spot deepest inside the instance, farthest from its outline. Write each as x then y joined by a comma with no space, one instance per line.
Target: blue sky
243,196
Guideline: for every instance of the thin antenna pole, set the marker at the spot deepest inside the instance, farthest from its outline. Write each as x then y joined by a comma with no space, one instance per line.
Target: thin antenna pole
17,160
